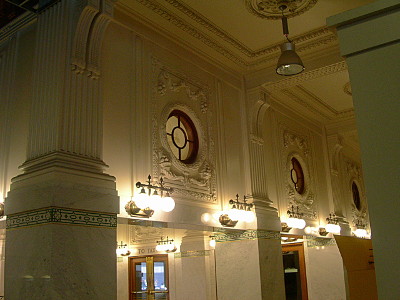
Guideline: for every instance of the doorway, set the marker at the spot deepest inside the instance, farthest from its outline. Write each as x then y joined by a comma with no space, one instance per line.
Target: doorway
148,278
294,271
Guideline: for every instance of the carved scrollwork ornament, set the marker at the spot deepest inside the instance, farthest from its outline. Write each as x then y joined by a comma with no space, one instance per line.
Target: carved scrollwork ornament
272,9
296,148
176,95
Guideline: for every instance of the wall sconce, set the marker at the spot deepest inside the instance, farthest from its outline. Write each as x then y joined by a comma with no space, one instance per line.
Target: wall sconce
323,231
285,227
1,210
146,202
360,232
212,241
333,224
240,211
165,245
122,249
295,218
287,239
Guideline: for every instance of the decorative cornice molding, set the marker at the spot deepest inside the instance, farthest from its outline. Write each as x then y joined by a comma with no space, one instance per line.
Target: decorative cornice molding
61,215
305,42
306,104
306,76
347,89
11,28
183,25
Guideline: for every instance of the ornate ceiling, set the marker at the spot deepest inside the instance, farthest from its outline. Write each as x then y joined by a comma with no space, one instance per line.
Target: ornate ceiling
243,36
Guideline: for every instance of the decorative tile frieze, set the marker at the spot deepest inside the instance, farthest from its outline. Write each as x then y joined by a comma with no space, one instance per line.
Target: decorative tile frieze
60,215
313,241
197,253
226,235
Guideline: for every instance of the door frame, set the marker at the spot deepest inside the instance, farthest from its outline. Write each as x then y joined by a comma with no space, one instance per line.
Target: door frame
131,273
299,247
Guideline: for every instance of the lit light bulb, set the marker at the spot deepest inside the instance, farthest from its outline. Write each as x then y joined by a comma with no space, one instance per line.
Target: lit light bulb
167,204
234,214
309,230
170,247
119,251
361,233
155,201
292,222
301,224
212,243
142,199
159,247
333,228
249,216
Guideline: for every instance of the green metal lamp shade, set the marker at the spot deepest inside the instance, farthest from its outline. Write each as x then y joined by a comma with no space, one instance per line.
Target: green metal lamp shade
289,62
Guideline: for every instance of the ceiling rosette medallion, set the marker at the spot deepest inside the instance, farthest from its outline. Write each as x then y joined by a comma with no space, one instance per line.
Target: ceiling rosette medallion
270,9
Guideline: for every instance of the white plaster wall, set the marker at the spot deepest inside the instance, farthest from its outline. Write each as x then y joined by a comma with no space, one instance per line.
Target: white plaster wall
16,63
118,79
238,271
129,87
325,275
279,121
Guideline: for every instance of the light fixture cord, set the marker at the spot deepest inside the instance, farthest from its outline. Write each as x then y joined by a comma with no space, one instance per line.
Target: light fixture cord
285,27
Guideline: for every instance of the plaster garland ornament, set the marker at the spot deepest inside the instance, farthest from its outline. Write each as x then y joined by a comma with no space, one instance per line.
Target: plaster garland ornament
347,89
353,168
312,40
168,80
295,140
297,146
195,181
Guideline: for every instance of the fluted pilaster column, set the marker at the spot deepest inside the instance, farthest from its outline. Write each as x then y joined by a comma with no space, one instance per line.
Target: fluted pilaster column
62,210
267,217
334,149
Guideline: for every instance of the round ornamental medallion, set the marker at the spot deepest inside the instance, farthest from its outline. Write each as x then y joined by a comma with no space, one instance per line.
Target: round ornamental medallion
272,9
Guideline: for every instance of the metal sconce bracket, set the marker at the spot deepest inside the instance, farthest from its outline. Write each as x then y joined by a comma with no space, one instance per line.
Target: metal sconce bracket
154,187
123,246
226,221
295,213
322,231
166,245
242,207
143,207
332,219
285,227
135,211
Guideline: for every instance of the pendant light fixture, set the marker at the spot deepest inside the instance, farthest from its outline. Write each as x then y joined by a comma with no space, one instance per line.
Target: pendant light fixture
289,63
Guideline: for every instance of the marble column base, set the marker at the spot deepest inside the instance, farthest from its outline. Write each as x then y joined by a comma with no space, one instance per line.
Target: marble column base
61,237
250,269
195,266
60,262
